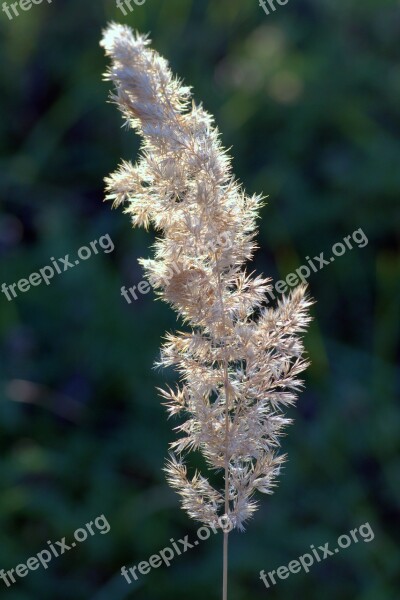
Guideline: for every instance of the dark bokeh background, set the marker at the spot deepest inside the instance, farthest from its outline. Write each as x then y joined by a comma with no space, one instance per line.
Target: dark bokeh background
308,98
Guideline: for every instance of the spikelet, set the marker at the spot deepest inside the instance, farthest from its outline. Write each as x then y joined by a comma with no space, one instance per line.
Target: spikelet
239,362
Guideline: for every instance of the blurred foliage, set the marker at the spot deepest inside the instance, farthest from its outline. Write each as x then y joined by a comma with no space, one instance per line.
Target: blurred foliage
308,99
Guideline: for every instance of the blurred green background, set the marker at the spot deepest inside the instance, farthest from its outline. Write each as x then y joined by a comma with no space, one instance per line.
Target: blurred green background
308,99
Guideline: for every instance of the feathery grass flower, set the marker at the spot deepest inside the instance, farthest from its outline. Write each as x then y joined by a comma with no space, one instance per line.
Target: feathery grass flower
239,362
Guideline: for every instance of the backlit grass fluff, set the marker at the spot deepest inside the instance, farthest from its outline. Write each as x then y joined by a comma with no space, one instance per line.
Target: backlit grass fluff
238,362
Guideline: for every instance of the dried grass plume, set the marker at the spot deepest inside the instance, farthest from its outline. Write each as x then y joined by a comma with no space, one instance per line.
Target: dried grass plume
239,361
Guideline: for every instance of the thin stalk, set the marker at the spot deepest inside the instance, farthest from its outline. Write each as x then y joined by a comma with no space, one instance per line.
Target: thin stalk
225,568
226,386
